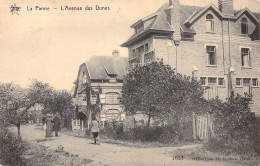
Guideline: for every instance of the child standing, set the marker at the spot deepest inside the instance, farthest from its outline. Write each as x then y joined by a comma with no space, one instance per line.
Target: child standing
94,129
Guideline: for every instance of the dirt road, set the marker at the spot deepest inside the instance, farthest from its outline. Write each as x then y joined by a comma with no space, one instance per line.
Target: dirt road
110,154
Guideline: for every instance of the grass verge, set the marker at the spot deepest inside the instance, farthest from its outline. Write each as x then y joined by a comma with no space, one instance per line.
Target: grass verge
41,156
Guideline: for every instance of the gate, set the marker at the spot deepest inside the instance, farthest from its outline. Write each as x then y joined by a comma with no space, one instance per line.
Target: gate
203,126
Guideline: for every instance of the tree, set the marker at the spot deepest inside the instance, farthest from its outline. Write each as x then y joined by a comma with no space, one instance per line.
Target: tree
62,104
53,101
14,104
157,91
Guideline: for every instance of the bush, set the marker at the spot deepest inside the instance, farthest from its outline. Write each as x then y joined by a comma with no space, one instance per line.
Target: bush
11,150
163,134
235,127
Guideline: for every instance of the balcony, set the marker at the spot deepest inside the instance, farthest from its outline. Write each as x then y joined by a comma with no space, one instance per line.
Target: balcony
140,60
132,66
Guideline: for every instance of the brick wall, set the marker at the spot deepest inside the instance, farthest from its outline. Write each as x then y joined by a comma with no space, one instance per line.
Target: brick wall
228,52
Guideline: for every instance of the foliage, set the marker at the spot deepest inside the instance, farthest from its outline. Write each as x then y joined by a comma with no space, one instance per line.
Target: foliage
235,126
158,92
162,134
11,148
16,102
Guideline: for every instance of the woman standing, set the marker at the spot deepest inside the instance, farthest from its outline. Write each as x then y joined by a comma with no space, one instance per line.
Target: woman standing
48,126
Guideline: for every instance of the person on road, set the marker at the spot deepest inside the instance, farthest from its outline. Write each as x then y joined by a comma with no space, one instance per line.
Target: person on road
94,129
56,124
48,126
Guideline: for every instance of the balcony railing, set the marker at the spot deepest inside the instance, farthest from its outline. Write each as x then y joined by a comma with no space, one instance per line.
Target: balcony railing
132,66
147,57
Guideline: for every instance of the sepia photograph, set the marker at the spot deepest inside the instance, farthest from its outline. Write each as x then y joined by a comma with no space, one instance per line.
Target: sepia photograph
129,83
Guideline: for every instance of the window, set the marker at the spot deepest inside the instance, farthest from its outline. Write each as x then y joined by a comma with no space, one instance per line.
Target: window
246,81
139,28
112,98
211,50
93,98
212,80
140,49
245,57
255,82
84,98
209,23
247,89
146,47
221,81
203,80
244,26
112,80
238,81
133,53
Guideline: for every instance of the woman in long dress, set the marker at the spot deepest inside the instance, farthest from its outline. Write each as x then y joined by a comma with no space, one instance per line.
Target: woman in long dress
49,126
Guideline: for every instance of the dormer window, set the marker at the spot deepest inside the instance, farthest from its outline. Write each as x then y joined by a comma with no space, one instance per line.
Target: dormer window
209,23
244,26
112,78
139,28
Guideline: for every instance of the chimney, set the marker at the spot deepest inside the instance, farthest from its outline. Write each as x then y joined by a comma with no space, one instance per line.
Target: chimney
115,53
170,2
226,7
173,17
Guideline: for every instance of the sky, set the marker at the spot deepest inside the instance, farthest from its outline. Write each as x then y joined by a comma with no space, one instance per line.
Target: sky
50,45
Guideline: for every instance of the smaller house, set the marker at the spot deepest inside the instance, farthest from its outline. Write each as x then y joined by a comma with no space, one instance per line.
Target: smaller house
99,83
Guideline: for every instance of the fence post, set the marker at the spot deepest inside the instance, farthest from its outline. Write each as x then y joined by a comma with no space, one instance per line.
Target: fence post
72,124
82,125
194,125
207,125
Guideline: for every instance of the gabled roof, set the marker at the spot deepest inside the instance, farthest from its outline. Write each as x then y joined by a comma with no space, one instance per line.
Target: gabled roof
237,14
188,14
100,67
246,10
197,14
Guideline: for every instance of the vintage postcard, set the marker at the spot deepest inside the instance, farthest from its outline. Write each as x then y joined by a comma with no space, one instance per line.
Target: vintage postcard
129,82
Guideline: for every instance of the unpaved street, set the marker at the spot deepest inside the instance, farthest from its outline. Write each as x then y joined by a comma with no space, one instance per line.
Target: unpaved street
110,154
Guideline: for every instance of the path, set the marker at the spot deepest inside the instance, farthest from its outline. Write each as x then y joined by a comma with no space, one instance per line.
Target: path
110,154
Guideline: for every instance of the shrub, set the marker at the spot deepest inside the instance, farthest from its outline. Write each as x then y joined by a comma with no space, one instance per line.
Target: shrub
235,127
12,149
163,134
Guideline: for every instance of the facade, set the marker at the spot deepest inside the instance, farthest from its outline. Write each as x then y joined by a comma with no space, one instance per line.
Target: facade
103,76
218,45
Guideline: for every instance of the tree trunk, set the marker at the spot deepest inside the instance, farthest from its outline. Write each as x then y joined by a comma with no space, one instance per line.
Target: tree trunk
149,119
19,129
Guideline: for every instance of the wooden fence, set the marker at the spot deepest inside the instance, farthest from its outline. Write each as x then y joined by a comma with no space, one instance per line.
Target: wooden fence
203,126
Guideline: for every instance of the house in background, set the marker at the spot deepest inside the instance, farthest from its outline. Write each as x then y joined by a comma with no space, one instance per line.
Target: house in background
100,76
218,45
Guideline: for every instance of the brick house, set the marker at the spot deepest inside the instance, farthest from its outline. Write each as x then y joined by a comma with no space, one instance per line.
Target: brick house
104,76
218,45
